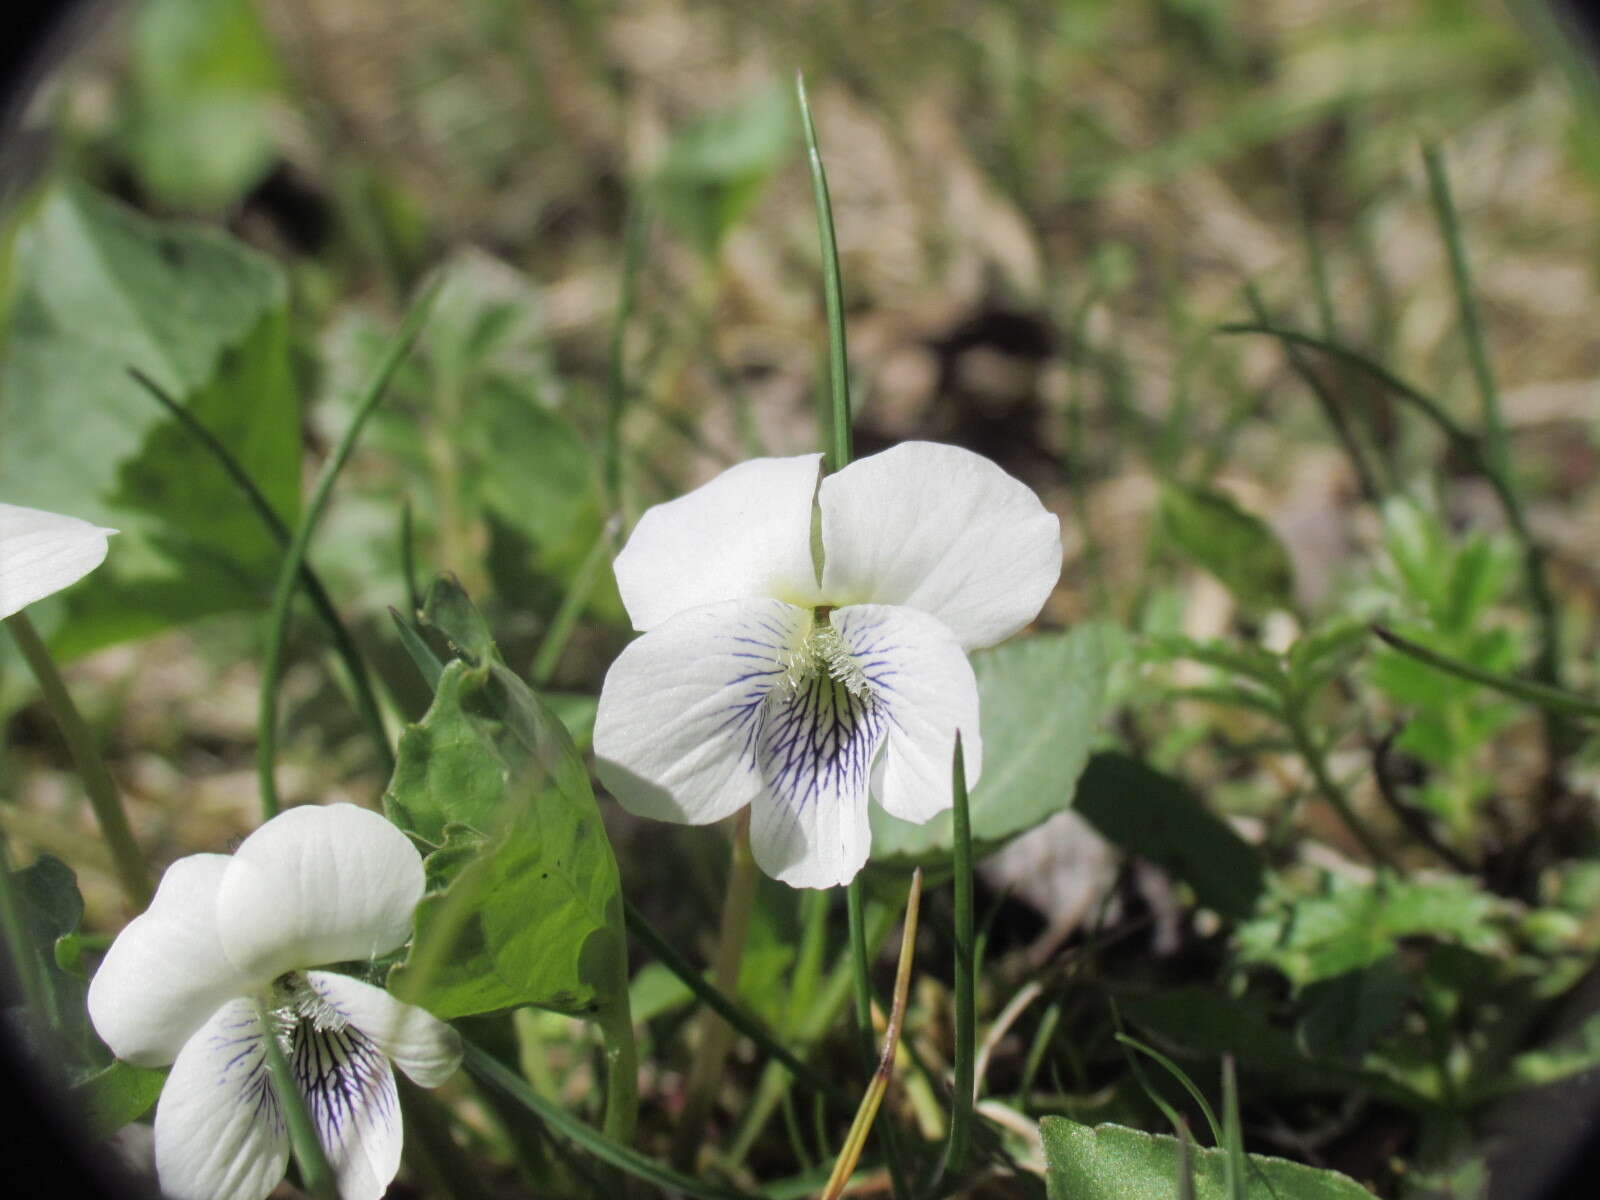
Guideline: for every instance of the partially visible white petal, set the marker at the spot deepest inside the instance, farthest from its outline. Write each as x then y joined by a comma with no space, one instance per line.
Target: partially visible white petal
43,552
351,1098
746,533
943,530
924,686
318,885
220,1134
416,1041
166,972
682,706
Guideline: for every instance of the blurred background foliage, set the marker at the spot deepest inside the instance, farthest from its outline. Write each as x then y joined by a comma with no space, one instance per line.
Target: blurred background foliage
1376,884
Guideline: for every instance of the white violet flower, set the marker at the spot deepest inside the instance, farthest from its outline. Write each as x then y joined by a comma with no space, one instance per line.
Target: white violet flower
806,645
43,552
230,937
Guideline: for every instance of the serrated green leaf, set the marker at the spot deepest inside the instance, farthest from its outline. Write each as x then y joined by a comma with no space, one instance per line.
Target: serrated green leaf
1236,546
1039,702
1111,1162
524,904
1158,817
101,289
1350,925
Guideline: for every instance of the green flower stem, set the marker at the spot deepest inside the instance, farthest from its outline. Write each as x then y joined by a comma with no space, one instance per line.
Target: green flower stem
315,1173
97,781
1329,789
714,1035
1550,698
294,557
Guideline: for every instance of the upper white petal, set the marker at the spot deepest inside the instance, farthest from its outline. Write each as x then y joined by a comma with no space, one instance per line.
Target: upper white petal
746,533
220,1134
318,885
943,530
924,686
43,552
420,1044
682,705
351,1098
166,973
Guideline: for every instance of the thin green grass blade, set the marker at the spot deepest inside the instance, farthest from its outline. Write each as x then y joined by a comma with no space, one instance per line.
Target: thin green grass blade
344,644
487,1069
837,419
728,1009
958,1147
1177,1073
421,653
294,556
315,1173
1232,1132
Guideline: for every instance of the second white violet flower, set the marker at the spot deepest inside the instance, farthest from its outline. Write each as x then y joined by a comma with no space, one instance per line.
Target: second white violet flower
798,687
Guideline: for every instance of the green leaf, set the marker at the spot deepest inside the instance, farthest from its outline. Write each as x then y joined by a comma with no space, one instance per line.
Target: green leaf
1111,1162
1350,925
1235,546
115,1096
1160,818
714,171
1039,702
198,126
524,903
51,910
102,289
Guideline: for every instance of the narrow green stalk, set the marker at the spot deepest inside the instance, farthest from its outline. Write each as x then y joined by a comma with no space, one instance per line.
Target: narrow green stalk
616,378
1235,1167
343,643
315,1174
97,781
1552,699
714,1036
294,556
838,422
726,1007
484,1067
961,1100
621,1055
1467,305
576,599
860,959
1547,666
1316,762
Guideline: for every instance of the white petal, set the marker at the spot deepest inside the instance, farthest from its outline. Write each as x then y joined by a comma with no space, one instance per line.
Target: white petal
318,885
219,1132
746,533
943,530
924,686
420,1044
166,973
682,705
350,1095
43,552
808,828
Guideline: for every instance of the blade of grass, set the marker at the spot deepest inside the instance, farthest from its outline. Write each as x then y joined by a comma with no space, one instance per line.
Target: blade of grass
1177,1073
1232,1133
727,1008
856,1140
484,1067
421,654
1552,699
838,416
343,643
576,599
98,785
633,241
961,1100
294,556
